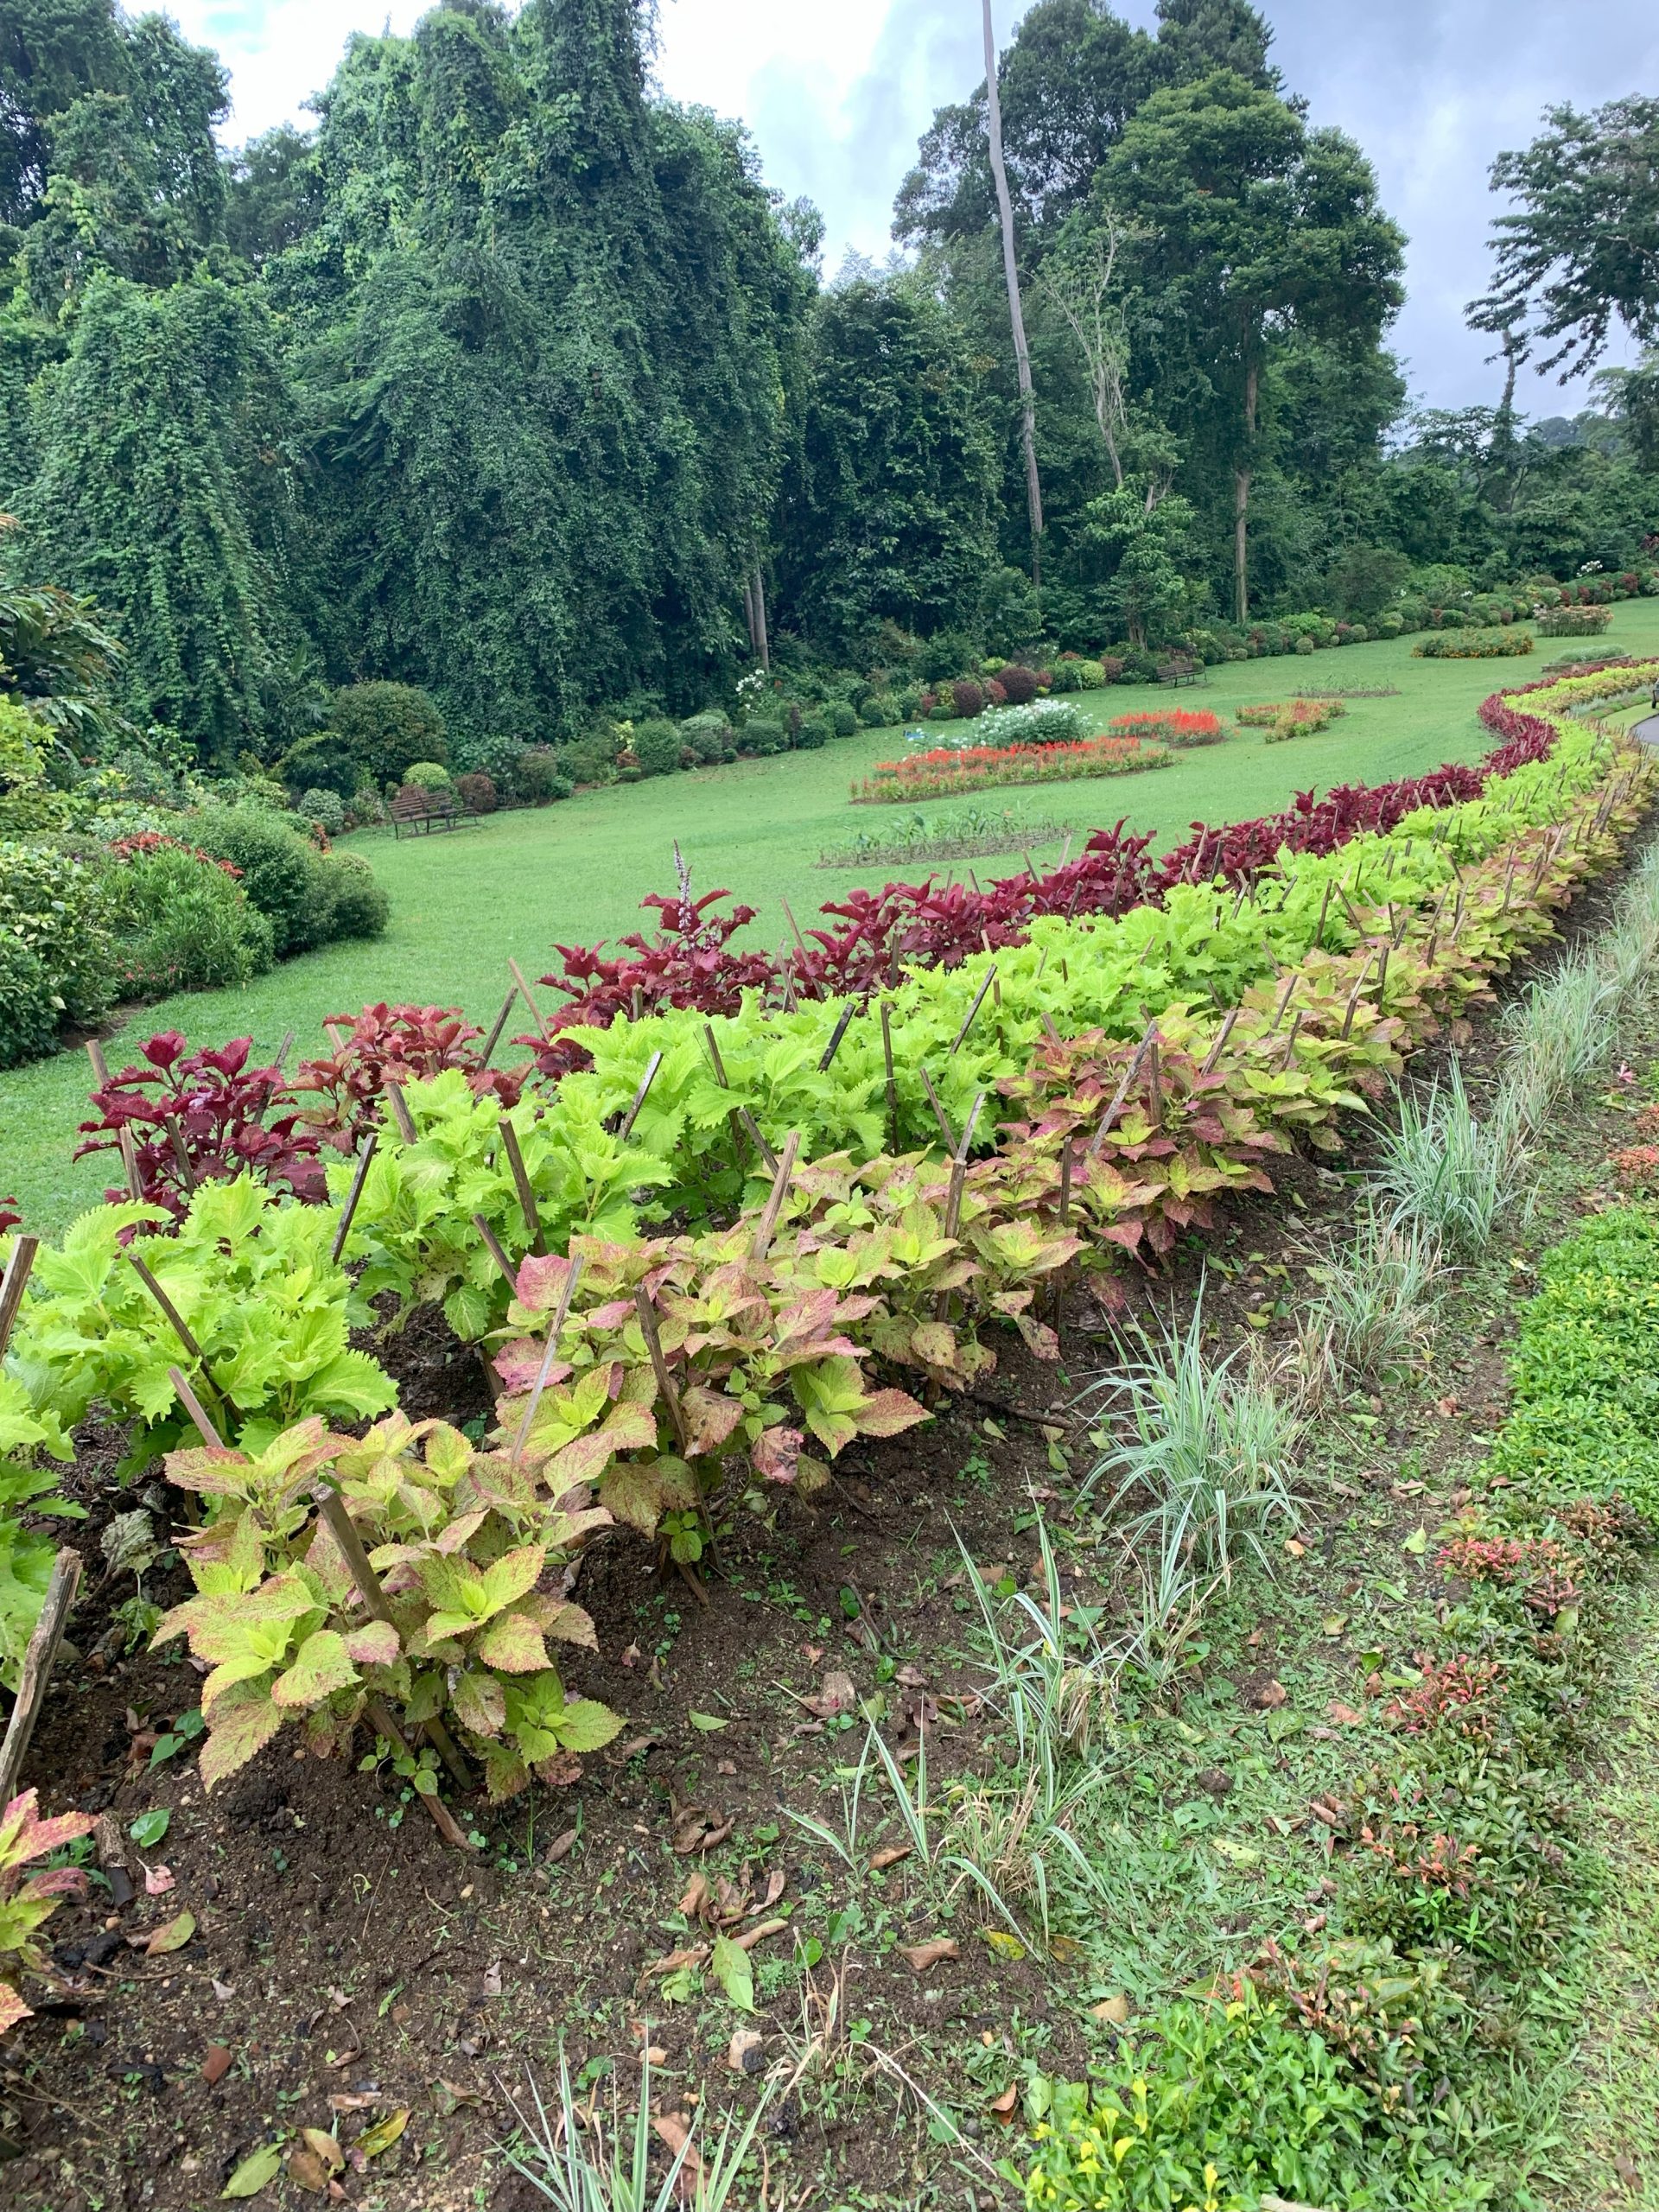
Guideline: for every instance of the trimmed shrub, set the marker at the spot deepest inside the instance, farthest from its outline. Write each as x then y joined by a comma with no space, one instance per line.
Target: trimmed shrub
658,746
182,923
1472,645
358,904
1065,675
967,697
1019,683
813,733
841,717
590,761
495,757
1040,721
52,921
1573,622
281,871
477,789
385,728
762,738
428,776
878,713
537,778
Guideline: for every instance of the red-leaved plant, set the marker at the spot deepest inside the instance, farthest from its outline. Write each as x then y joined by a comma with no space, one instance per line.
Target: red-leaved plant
396,1043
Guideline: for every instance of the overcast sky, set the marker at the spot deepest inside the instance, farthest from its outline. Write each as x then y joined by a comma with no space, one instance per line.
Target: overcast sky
837,92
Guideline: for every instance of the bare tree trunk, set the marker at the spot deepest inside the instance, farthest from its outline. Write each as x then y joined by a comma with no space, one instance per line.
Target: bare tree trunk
761,638
748,613
1241,509
1016,315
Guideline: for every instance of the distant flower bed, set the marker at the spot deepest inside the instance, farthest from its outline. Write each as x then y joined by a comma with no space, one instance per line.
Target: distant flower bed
1573,622
1169,726
1473,645
974,830
940,773
1288,718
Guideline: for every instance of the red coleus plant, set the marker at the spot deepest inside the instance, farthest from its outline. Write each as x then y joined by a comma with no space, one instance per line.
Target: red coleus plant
9,1216
397,1044
203,1116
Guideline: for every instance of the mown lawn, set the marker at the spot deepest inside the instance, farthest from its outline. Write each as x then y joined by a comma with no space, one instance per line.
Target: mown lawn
524,881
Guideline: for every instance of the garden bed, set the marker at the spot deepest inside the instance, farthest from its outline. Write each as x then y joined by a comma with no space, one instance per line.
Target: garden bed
946,772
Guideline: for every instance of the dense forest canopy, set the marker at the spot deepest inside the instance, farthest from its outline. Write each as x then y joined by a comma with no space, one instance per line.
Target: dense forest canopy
509,378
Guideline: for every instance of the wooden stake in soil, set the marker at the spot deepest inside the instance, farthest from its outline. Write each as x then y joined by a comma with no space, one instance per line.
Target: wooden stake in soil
763,1235
796,927
175,1320
335,1035
1220,1044
12,1287
365,1157
521,1183
640,1097
714,1055
400,1113
1066,1183
549,1355
343,1530
892,1087
193,1405
529,999
283,1050
38,1661
496,1250
836,1034
967,1018
494,1037
939,1114
1284,1000
1353,997
1324,908
752,1130
670,1396
959,1168
383,1723
1290,1041
1122,1091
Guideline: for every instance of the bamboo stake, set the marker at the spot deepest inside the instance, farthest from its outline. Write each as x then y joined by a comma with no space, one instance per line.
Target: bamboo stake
38,1661
763,1235
836,1034
1220,1044
124,1136
366,1155
379,1714
939,1114
892,1087
1353,997
549,1353
979,1001
12,1287
714,1055
639,1096
496,1250
521,1183
400,1113
1122,1091
175,1318
283,1050
1066,1183
1284,1000
335,1035
1324,908
494,1037
1065,851
1290,1041
670,1396
529,999
799,940
752,1129
193,1405
959,1168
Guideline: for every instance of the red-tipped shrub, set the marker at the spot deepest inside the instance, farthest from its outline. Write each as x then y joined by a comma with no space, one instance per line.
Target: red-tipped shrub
1019,684
969,697
478,791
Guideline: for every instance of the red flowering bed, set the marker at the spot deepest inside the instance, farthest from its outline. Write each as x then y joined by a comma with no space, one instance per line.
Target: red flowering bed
983,767
1170,726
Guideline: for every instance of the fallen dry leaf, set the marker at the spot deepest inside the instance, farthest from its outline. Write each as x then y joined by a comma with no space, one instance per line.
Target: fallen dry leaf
837,1694
1271,1696
223,1990
775,1882
750,1936
306,2170
1343,1714
385,2133
352,2101
891,1857
217,2063
1111,2011
676,2133
561,1846
158,1879
1004,2106
493,1979
699,1831
695,1901
921,1957
911,1678
172,1937
323,2145
692,1957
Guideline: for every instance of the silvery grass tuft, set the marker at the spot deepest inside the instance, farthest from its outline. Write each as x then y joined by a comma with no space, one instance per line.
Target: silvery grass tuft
1211,1444
1375,1313
1449,1174
567,2159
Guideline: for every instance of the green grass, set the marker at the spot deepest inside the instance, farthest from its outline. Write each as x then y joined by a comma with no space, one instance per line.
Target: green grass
522,881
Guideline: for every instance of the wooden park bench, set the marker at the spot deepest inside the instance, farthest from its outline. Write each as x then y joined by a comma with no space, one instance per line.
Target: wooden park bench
417,809
1182,672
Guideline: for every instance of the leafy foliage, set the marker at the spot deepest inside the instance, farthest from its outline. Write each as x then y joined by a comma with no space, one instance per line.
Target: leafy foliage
26,1900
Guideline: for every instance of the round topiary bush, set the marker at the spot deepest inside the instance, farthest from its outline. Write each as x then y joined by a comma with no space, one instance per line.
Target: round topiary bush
428,776
358,904
878,713
813,733
281,870
326,808
537,776
841,717
383,728
967,697
762,738
1019,683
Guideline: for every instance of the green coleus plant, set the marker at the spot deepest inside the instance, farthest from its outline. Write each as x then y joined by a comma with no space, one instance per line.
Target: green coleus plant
466,1553
26,1486
252,1280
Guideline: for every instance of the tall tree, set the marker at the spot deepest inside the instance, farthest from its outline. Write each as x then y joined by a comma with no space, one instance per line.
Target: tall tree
1579,250
1254,228
1016,312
